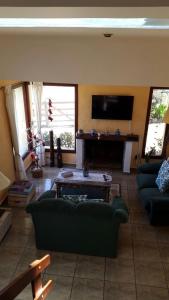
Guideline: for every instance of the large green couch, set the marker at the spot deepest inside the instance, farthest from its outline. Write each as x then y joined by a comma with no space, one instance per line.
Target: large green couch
155,202
89,227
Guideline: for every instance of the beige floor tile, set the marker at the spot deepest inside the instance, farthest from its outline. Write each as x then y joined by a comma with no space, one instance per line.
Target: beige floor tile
162,235
27,257
151,293
150,273
89,289
9,259
90,267
26,294
62,286
144,233
164,251
119,270
125,249
63,264
166,271
119,291
125,233
147,250
138,217
14,240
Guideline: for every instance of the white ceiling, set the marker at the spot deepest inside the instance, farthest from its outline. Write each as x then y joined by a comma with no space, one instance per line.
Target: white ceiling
85,12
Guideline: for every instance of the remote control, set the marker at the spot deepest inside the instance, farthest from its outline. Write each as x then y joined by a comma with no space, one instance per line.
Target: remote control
105,178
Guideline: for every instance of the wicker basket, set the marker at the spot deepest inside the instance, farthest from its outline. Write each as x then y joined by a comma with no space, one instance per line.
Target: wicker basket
37,172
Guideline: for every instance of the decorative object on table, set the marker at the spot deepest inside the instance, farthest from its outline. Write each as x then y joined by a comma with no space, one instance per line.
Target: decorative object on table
59,153
86,169
52,156
79,132
37,153
66,174
117,131
98,135
93,132
20,193
36,170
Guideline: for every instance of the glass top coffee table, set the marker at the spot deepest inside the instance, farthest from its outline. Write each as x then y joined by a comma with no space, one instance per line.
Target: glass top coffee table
94,179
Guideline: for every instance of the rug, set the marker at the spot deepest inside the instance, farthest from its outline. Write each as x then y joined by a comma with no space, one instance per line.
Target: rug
115,190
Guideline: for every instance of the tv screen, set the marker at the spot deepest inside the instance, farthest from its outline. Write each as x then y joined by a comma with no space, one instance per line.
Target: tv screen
112,107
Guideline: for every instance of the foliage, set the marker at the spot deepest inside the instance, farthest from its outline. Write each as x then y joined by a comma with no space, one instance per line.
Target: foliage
67,140
158,111
150,153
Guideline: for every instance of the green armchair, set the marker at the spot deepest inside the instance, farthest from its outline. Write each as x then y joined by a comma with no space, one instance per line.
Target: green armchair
89,227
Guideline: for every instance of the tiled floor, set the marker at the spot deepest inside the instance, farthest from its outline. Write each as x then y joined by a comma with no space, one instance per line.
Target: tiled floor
141,270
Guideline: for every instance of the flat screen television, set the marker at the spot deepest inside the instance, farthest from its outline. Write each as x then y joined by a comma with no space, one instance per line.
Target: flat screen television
112,107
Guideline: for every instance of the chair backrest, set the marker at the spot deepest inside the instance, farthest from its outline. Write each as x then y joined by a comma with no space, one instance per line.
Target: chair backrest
31,275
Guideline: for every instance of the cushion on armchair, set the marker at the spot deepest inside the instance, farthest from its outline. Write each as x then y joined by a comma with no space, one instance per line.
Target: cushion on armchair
149,168
162,180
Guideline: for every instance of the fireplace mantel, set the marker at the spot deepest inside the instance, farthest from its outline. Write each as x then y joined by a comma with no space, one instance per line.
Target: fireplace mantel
126,139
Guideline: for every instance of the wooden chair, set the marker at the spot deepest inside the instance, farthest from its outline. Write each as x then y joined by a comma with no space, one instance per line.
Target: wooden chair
31,275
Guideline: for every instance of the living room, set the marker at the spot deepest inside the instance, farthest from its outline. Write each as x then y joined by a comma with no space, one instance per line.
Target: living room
129,62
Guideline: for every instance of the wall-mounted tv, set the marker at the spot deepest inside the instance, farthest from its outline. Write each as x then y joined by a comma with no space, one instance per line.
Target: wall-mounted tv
112,107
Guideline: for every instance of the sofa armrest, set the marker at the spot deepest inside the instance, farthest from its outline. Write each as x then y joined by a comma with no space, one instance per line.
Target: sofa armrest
120,209
50,205
149,168
47,195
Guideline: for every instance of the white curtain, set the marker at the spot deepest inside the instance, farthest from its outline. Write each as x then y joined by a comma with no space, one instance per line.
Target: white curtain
10,105
36,92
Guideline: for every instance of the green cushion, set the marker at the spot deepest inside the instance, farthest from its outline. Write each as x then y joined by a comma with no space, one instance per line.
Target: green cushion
149,168
75,198
47,194
146,180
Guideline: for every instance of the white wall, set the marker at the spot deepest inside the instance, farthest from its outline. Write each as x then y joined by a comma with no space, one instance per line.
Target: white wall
87,60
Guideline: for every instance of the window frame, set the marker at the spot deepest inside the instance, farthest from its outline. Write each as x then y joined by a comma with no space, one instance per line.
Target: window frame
24,86
47,149
147,123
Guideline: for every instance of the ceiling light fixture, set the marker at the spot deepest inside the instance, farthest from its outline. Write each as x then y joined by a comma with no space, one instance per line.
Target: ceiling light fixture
133,23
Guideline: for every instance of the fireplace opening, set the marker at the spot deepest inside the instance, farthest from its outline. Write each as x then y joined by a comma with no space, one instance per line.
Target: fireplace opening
104,154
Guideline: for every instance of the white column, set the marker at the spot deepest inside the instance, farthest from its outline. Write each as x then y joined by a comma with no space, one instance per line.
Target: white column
79,153
127,157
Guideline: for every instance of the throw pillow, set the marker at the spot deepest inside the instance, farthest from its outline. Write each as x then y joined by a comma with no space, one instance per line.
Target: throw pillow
80,198
162,179
75,198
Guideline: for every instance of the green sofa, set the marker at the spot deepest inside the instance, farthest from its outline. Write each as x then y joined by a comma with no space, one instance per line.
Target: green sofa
89,227
155,202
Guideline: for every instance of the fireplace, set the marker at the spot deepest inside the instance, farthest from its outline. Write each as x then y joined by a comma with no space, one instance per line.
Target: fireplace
105,150
103,153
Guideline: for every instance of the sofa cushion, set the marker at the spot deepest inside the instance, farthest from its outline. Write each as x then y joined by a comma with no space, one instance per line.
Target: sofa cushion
147,195
149,168
146,180
162,180
47,194
75,198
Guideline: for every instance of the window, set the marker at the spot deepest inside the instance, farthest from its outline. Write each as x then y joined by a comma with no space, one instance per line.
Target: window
21,117
63,100
155,129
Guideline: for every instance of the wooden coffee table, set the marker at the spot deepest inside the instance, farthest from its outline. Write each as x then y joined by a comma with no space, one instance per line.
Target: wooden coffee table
100,180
